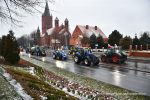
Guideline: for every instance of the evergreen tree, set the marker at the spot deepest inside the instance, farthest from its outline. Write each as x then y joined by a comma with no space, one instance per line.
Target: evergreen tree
100,41
10,49
93,41
136,41
145,39
3,44
125,42
114,37
0,46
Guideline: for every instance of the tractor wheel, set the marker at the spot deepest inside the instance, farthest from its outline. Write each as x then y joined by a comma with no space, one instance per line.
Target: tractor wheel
103,59
54,56
96,62
87,62
59,57
76,59
115,59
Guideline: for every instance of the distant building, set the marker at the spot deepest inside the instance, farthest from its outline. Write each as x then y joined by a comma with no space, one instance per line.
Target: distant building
81,31
56,36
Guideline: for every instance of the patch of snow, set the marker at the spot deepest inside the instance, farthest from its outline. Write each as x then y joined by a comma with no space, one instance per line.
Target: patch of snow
17,87
31,70
43,98
7,76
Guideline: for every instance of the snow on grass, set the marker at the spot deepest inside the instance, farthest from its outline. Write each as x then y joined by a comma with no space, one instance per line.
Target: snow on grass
43,98
17,87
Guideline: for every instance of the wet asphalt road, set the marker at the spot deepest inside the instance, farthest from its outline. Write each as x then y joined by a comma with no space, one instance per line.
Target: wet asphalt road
131,75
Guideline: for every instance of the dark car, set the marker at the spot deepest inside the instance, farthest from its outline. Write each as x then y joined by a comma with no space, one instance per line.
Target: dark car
60,54
86,57
38,51
114,55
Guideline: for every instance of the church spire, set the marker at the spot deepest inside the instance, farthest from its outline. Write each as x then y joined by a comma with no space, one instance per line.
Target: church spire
46,12
38,30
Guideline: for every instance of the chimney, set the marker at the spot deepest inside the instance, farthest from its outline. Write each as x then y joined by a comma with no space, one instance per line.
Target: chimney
87,26
95,27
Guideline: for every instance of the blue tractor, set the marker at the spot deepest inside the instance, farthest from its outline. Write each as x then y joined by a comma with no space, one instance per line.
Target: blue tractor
86,57
60,55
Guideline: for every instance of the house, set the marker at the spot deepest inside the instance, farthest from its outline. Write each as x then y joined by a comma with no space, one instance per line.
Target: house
81,31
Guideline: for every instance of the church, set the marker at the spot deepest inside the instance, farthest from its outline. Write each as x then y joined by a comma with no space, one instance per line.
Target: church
59,35
53,36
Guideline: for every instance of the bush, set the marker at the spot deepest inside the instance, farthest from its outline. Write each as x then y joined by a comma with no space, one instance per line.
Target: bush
9,48
12,58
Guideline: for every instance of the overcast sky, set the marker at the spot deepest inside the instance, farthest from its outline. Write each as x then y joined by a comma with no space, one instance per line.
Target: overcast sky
126,16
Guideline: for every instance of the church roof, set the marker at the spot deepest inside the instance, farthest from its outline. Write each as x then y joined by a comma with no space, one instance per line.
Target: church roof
50,31
46,12
91,30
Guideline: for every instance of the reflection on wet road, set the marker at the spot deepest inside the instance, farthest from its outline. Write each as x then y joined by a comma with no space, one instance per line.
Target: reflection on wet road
132,75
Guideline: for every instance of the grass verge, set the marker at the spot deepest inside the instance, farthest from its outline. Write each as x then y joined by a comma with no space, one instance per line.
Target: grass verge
118,92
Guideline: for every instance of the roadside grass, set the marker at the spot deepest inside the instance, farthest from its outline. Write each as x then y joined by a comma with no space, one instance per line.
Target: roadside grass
105,88
36,87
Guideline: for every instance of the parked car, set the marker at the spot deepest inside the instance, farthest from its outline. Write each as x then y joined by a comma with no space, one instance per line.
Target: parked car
60,54
86,57
114,55
38,51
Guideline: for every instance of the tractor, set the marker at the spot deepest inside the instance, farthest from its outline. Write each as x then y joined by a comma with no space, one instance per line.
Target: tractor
86,57
114,55
60,55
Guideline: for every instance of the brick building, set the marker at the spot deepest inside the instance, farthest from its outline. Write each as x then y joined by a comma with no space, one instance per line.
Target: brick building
56,36
81,31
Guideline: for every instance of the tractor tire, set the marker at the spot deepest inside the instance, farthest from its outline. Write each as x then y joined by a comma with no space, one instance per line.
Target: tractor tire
96,62
87,62
115,59
103,59
76,60
54,56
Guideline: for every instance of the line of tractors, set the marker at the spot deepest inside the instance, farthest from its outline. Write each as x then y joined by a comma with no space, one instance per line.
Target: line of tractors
86,57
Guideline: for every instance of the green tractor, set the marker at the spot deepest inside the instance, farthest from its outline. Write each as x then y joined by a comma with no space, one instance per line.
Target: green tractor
114,55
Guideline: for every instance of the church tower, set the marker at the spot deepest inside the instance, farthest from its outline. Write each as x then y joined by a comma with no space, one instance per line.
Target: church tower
66,22
37,40
56,22
47,19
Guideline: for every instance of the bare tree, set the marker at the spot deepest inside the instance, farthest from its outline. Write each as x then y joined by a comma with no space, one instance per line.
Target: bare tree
10,10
